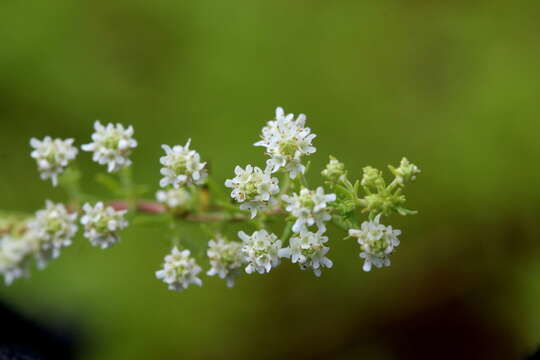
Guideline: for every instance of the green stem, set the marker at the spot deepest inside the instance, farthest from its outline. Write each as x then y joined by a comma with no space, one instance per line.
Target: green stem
70,180
127,182
173,226
230,207
286,184
286,232
343,223
361,203
259,221
393,185
304,181
216,190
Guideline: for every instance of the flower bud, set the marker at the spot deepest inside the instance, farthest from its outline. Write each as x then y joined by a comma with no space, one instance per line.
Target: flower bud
384,202
334,170
372,178
406,172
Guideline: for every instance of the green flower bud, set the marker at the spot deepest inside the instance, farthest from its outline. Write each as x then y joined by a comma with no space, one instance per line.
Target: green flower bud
334,170
372,178
406,172
384,203
345,207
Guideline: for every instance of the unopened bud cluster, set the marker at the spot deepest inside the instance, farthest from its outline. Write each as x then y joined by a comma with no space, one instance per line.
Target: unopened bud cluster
334,170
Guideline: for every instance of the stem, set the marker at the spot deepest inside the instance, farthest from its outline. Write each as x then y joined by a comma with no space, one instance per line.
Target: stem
155,208
286,184
173,227
127,182
230,207
342,223
222,200
304,181
216,190
70,181
361,203
150,207
215,217
286,232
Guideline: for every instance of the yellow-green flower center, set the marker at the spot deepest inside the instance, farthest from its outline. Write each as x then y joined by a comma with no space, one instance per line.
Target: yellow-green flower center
288,148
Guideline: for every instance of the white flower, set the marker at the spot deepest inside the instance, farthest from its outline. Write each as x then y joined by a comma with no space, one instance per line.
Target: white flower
179,270
181,166
260,251
376,241
55,228
308,251
15,253
253,188
102,224
52,156
309,208
286,141
111,145
173,198
226,259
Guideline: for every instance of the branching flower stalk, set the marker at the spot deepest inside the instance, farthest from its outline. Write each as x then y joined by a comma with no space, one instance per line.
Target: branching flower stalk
260,198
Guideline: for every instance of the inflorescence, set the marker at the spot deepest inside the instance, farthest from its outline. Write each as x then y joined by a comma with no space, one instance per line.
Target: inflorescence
258,196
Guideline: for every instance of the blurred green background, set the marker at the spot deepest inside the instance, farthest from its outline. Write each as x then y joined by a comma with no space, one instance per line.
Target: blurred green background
453,85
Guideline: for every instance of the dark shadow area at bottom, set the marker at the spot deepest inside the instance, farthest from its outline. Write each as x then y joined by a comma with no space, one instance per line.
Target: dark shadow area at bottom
24,339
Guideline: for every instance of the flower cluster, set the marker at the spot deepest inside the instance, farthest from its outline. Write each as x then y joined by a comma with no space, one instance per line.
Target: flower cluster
54,228
226,259
45,234
179,270
15,255
261,251
253,188
52,156
182,166
174,199
102,224
111,145
276,195
286,141
309,208
376,242
308,250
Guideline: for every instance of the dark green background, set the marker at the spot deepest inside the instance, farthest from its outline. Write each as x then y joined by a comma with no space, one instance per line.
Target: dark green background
453,85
